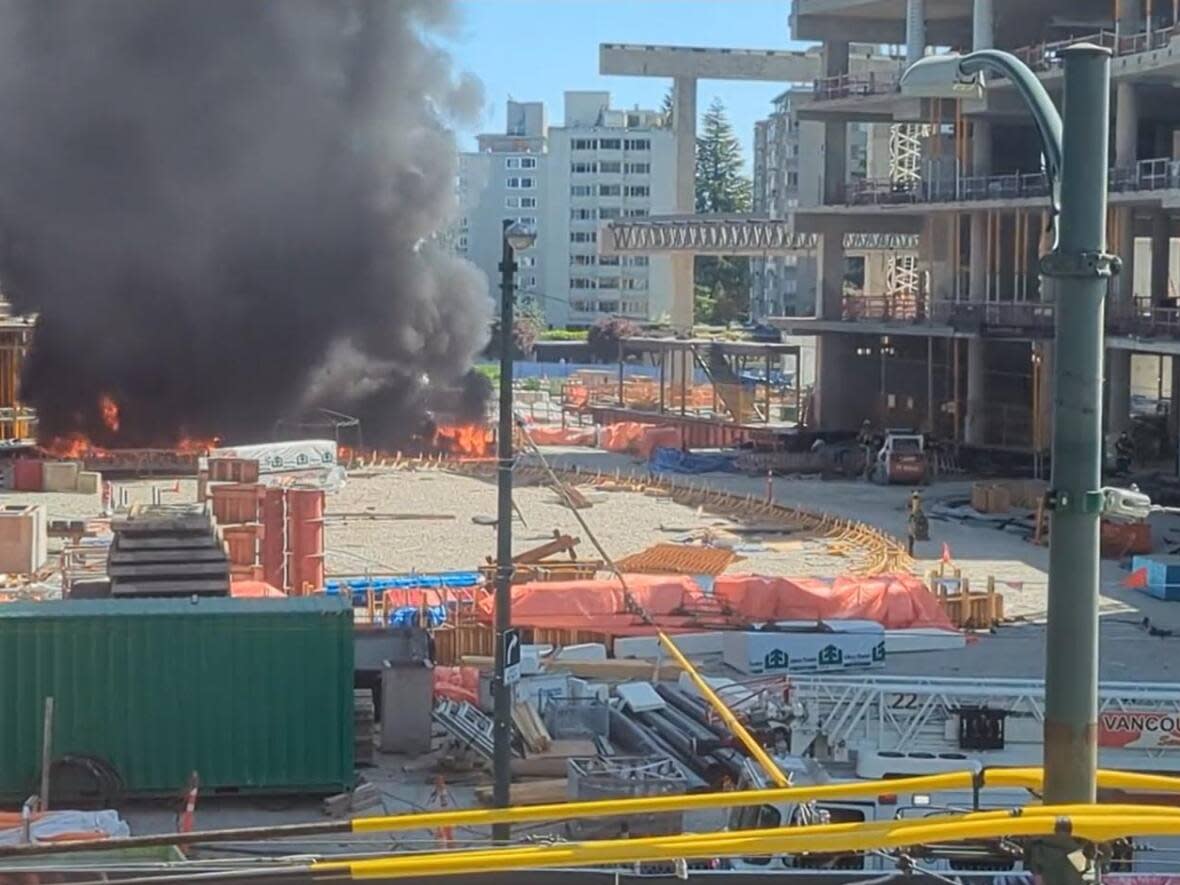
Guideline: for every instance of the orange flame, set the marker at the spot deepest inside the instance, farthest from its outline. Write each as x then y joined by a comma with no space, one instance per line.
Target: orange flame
470,440
110,412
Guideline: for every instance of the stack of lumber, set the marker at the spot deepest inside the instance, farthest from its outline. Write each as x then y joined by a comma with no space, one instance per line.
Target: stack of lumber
531,728
167,550
538,792
363,715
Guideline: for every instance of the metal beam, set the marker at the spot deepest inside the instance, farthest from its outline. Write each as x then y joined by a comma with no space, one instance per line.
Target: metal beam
633,60
729,235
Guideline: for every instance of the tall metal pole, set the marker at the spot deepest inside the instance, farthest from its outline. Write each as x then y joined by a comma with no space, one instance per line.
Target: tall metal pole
501,691
1082,266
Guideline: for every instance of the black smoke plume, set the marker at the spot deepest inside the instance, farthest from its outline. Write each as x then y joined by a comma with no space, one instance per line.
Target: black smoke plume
224,213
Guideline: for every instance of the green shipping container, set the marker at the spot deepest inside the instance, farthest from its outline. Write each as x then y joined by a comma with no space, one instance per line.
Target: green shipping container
252,694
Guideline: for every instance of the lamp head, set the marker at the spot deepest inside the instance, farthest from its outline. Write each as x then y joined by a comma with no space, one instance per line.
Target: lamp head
940,76
520,236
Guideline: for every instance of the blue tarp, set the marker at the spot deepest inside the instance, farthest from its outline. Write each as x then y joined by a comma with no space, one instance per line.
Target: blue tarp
669,460
411,616
359,587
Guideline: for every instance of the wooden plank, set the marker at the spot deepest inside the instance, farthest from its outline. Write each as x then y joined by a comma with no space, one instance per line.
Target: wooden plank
184,555
170,588
542,792
166,541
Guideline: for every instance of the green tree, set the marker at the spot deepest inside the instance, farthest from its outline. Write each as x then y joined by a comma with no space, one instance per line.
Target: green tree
722,283
666,107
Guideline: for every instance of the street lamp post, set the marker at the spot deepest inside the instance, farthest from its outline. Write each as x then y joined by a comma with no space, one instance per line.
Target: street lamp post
517,237
1076,150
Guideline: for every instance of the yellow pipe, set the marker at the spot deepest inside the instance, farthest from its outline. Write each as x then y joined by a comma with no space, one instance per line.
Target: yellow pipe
1019,778
752,746
1094,823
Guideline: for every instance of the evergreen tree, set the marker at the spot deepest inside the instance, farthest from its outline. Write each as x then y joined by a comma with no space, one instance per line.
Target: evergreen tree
722,283
666,107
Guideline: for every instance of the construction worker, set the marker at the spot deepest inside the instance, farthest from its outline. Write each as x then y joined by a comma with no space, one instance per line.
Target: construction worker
1124,453
866,441
917,526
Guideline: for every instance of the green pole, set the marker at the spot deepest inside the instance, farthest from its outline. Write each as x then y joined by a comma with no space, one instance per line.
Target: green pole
1081,267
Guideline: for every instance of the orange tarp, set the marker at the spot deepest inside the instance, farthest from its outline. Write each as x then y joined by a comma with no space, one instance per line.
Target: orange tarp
255,590
894,601
638,439
595,604
561,436
457,683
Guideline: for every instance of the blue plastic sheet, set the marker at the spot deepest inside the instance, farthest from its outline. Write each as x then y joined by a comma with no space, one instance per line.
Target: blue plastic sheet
669,460
359,587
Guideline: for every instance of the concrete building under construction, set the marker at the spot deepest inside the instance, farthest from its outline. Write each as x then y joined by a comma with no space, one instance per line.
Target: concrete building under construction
923,268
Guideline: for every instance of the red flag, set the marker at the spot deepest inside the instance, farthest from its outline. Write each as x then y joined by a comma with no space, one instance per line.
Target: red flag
946,552
1137,578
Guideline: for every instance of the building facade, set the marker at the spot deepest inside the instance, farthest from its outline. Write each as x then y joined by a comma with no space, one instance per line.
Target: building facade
605,163
602,163
505,181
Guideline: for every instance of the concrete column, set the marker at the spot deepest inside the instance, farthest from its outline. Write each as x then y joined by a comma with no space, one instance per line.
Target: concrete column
983,25
1045,393
977,260
974,424
831,409
1118,390
1174,401
915,30
829,258
1126,125
1161,253
1130,19
684,126
835,148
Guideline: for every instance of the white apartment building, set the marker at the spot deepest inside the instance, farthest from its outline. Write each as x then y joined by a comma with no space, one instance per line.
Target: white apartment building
502,182
605,163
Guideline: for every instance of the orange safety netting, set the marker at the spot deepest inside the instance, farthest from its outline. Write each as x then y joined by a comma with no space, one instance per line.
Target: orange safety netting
598,604
894,601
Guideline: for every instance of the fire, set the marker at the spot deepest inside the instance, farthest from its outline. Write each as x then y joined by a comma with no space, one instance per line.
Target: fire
469,440
110,412
69,447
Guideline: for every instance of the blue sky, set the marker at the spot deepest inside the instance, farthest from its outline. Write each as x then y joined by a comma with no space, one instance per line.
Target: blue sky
533,50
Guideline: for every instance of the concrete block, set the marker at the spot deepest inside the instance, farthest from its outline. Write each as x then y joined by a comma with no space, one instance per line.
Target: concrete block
407,700
89,482
587,651
60,476
640,697
24,539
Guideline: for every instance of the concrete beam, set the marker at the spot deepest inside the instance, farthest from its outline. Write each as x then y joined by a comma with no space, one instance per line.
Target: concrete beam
869,222
878,30
632,60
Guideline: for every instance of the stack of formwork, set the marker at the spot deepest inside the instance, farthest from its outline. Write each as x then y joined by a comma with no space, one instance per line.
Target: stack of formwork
167,550
231,485
273,534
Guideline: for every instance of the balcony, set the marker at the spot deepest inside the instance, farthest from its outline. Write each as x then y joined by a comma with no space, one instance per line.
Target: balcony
856,85
1145,176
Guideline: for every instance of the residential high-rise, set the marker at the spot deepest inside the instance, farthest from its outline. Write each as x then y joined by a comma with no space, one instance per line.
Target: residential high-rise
605,163
505,181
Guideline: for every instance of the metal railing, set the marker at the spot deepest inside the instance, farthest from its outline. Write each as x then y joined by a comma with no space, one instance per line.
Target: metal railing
1041,57
858,85
1142,319
1146,175
884,308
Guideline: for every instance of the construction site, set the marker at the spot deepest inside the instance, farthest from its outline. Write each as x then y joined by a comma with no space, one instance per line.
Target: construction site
729,604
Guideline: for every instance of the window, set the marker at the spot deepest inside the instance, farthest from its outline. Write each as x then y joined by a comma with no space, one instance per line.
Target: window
530,281
527,202
528,220
583,260
463,242
608,282
582,305
583,168
512,162
581,283
638,190
528,162
632,121
583,214
525,183
637,144
463,221
639,261
584,236
634,284
585,144
581,190
608,260
634,213
610,167
526,260
608,306
609,190
633,307
609,144
512,202
638,168
792,179
608,212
